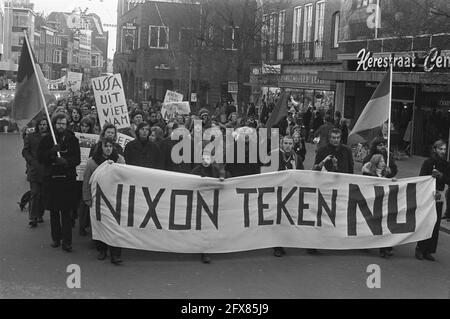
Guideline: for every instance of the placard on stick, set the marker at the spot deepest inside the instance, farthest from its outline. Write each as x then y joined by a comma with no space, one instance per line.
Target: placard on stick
110,100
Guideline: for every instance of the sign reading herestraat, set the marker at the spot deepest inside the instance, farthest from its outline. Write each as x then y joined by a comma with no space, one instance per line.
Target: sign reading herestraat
110,100
148,209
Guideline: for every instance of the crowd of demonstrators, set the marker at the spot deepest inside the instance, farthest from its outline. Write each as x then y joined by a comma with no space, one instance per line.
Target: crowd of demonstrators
52,175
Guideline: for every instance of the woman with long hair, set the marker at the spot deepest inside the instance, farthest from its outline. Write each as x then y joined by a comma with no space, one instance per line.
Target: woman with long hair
106,152
439,168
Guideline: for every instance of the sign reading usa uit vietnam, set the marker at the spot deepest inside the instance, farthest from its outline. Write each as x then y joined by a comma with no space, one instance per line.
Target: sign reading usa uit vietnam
110,100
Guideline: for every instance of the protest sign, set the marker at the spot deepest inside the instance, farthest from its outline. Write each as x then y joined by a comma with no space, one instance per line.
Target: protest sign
86,143
172,97
74,80
57,85
148,209
169,110
123,139
110,100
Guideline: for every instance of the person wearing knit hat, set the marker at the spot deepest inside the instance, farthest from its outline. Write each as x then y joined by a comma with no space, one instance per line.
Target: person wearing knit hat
206,118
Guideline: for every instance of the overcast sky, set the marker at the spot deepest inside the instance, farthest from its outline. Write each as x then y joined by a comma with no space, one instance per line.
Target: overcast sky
106,10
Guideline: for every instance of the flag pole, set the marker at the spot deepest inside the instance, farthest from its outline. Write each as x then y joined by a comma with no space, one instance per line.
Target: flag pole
389,117
41,94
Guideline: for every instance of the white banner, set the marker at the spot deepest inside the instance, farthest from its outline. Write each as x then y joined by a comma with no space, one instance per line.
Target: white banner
74,80
147,209
123,139
110,100
86,142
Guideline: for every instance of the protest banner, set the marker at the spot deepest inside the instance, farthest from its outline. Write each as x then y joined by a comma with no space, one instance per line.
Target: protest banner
169,110
74,80
86,143
123,139
148,209
173,97
110,100
57,85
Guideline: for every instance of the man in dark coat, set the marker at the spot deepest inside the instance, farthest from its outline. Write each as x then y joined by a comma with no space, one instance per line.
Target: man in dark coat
142,151
59,179
35,171
334,156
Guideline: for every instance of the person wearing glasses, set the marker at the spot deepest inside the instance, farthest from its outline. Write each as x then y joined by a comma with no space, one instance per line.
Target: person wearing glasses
59,179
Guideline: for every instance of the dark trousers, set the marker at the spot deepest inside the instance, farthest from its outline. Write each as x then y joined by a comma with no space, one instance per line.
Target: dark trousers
61,226
83,216
429,246
36,207
114,251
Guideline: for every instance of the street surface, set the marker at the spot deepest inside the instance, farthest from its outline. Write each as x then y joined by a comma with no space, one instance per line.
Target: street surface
30,268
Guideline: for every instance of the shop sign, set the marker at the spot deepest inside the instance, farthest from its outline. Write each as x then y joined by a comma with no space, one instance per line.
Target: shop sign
271,69
431,61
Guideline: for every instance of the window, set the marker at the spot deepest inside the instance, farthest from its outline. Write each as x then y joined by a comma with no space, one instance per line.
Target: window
364,3
158,37
57,40
297,24
307,23
281,26
336,22
231,38
186,38
49,39
57,56
20,20
318,32
42,37
48,55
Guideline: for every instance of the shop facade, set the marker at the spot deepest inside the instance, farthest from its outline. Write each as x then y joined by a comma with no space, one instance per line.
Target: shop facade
420,94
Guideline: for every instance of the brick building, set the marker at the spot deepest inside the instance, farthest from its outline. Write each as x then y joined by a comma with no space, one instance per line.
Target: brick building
299,39
181,45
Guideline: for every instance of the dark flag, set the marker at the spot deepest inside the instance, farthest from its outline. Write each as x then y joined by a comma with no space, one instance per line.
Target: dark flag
27,101
279,112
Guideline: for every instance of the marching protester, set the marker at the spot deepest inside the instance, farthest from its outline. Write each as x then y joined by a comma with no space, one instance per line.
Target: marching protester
323,132
76,117
208,168
288,160
59,179
333,157
379,147
106,152
439,168
35,171
142,151
377,167
109,130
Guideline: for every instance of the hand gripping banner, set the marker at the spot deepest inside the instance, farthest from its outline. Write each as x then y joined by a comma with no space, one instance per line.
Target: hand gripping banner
155,210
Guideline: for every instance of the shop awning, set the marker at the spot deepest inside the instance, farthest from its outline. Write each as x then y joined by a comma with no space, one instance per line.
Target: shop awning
375,76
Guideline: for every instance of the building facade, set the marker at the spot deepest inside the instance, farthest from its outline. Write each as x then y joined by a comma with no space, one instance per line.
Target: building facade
87,43
18,16
185,46
299,39
421,60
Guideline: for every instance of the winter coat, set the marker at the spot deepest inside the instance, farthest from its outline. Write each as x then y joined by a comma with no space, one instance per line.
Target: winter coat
59,181
91,166
35,170
143,154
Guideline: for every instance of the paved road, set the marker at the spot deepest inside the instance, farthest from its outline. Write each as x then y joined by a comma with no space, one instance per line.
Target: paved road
30,268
